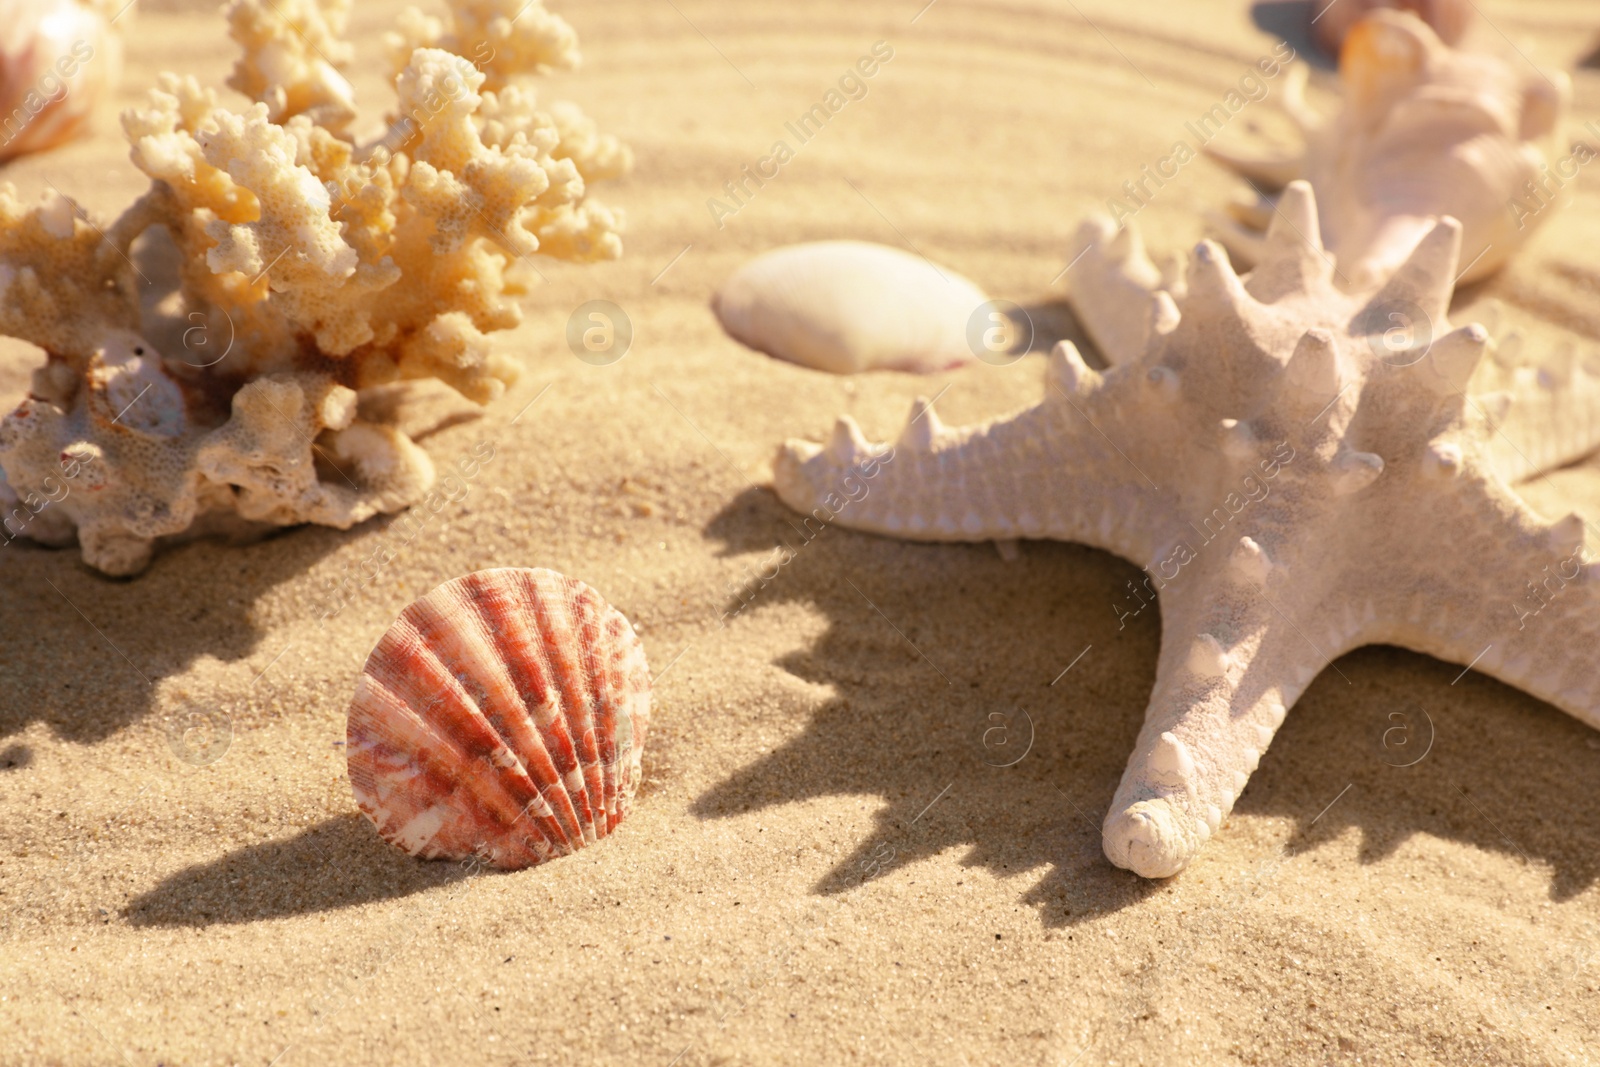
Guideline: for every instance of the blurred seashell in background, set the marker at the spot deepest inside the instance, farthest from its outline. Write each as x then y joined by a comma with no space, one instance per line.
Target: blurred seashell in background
57,59
503,717
850,306
1426,130
1332,20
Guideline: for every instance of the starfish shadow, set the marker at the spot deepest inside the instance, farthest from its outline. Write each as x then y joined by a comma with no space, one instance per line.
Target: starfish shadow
337,863
942,659
948,662
1415,746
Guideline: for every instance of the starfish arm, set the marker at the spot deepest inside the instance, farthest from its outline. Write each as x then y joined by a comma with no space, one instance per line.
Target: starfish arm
1548,417
1045,472
1116,292
1231,665
1268,169
1511,595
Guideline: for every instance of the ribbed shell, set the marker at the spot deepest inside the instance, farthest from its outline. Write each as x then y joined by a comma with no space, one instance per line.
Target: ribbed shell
503,716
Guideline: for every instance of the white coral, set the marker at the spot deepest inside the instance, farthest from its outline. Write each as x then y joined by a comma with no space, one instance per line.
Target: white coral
504,38
292,54
310,269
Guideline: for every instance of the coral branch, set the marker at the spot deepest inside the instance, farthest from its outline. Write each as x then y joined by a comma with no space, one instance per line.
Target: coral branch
293,54
505,38
309,270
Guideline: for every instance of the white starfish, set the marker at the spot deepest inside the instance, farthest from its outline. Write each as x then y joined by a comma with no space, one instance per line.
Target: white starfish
1293,487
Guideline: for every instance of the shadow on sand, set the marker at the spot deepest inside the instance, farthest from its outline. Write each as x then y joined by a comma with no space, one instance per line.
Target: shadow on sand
337,863
949,662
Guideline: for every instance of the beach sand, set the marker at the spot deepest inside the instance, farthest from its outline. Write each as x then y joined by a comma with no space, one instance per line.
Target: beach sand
823,865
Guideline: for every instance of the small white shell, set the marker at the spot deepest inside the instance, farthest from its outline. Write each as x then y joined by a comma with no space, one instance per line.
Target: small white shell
57,58
850,306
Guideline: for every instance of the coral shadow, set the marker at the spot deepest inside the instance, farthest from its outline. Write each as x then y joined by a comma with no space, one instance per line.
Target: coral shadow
948,661
91,651
337,863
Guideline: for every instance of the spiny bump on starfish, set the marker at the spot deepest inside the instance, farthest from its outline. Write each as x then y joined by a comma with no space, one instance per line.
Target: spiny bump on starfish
1294,260
1313,373
1069,373
1251,562
1292,488
1354,471
1238,440
1426,280
1212,279
848,442
923,428
1164,314
1110,269
1455,357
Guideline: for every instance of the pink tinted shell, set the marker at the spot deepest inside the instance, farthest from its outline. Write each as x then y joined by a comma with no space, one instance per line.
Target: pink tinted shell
502,716
58,58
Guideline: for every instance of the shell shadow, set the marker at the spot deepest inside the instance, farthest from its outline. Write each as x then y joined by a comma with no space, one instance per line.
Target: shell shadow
1051,320
337,863
949,662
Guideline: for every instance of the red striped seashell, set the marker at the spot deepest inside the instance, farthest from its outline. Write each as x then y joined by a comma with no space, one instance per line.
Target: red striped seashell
502,716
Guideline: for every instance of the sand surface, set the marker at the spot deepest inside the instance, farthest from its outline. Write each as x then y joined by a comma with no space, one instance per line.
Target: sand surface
823,866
